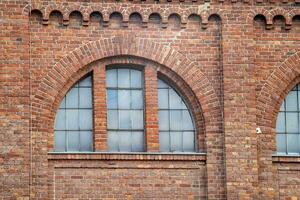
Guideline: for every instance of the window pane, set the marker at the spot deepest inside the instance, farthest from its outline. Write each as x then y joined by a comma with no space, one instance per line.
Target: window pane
176,119
85,97
87,82
112,119
125,141
136,78
164,120
137,141
63,103
72,119
281,143
164,141
112,141
136,99
60,140
188,141
86,140
187,120
60,120
280,123
73,140
175,100
291,101
124,119
293,143
163,99
161,84
72,98
292,122
282,107
137,119
111,78
86,119
123,78
112,99
176,141
124,99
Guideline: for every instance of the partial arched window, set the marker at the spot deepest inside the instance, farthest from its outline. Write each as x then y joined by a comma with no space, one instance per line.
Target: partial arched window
74,119
125,110
176,128
287,124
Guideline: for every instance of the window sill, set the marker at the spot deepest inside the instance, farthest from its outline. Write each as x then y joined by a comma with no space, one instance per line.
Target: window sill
280,158
127,156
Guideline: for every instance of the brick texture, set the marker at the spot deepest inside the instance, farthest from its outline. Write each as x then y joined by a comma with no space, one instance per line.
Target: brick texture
233,61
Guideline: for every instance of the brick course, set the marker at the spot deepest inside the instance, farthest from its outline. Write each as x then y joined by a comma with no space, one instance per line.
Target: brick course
233,61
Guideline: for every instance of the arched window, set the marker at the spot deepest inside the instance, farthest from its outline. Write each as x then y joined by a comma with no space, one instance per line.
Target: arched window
125,110
287,124
73,122
176,128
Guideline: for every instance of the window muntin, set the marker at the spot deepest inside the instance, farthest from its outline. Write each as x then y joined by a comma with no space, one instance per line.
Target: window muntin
125,110
176,128
74,119
287,124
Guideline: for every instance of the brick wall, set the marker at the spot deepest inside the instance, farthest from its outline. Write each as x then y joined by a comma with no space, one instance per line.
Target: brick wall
233,61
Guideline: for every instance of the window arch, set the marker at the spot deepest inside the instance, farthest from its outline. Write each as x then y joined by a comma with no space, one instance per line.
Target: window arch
287,124
74,119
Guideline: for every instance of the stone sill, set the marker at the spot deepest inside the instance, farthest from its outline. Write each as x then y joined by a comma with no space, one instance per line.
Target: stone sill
146,156
277,158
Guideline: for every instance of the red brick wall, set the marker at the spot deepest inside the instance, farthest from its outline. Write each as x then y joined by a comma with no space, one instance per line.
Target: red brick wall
233,61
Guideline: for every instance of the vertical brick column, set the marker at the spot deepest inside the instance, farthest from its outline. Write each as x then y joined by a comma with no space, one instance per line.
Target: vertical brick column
151,110
99,91
239,107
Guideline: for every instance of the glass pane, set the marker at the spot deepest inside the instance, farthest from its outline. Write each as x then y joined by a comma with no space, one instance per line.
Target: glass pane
124,99
175,120
124,119
163,99
73,140
87,82
112,141
282,107
280,123
136,78
72,119
111,78
112,119
60,120
164,141
161,84
86,119
136,99
86,140
125,141
137,141
112,99
291,101
63,103
187,120
72,98
164,120
176,141
188,141
281,143
123,78
293,143
292,122
137,117
85,97
60,140
175,100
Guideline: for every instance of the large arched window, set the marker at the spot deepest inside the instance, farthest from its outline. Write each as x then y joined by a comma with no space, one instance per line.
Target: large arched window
287,124
170,127
176,128
73,122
